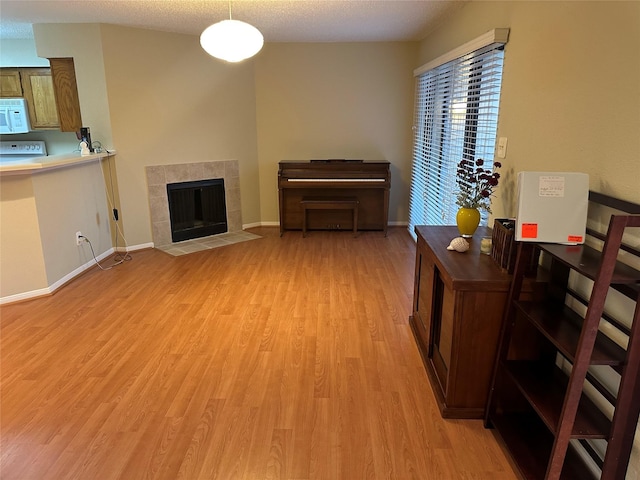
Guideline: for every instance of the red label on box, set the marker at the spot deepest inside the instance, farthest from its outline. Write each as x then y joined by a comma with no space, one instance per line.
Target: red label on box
529,230
574,238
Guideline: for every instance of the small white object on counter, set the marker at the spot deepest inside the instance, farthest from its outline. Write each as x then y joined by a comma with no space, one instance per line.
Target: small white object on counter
84,149
458,244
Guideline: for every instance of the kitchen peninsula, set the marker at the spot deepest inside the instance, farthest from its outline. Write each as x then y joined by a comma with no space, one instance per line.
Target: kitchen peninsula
44,201
9,166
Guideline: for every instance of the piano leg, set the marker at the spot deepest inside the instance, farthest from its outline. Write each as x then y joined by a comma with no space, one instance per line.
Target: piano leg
386,212
281,210
355,220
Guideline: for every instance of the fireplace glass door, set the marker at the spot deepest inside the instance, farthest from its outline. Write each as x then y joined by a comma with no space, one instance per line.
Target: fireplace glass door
197,209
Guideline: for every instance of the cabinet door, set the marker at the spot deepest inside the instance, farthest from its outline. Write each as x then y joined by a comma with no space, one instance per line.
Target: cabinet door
443,316
37,85
10,83
66,90
424,300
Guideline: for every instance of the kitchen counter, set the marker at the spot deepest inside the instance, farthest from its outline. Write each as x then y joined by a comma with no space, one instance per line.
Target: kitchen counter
25,166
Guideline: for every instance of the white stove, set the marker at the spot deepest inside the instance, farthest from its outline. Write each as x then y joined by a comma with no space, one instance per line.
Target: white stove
23,151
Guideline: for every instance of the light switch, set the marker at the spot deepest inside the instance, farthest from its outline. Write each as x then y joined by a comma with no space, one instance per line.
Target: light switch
502,147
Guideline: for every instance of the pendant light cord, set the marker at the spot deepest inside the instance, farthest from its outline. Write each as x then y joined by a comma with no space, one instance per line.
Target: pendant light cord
230,10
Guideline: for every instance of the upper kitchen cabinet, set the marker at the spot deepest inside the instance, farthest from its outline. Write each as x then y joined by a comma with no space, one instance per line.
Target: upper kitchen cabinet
10,83
51,94
37,89
66,91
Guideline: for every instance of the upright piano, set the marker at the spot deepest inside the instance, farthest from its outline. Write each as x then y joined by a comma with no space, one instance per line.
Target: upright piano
368,181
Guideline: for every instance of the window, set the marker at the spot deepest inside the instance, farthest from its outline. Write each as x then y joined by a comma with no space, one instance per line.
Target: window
456,118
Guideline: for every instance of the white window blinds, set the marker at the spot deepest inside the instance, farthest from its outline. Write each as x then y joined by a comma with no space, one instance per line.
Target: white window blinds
456,116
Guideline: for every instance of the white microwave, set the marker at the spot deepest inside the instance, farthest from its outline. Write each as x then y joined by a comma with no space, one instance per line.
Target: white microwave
14,117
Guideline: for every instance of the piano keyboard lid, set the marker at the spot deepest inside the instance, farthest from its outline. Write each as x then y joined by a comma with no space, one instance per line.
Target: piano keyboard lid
336,180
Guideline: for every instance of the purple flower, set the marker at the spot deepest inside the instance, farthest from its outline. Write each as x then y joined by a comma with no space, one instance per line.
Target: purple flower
475,183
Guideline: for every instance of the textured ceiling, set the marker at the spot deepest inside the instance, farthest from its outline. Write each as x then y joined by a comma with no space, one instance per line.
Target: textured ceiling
278,20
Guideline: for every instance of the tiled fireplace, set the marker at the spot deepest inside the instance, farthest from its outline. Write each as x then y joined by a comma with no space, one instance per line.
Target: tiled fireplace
158,176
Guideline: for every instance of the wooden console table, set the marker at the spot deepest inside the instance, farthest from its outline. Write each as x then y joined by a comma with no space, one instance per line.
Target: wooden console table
458,303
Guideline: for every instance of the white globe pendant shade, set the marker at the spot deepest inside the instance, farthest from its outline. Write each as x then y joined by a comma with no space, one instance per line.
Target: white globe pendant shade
231,40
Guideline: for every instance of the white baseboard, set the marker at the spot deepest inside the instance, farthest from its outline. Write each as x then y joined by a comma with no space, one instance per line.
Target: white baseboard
25,296
133,248
55,285
261,224
41,292
253,225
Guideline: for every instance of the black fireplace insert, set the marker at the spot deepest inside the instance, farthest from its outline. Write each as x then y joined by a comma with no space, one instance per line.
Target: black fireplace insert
197,209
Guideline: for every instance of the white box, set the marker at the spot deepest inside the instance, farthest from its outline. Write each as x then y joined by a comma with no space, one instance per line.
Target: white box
552,207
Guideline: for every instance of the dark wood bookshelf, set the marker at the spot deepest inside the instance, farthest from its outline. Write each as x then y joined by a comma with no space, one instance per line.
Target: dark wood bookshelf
586,261
563,328
545,387
537,402
529,443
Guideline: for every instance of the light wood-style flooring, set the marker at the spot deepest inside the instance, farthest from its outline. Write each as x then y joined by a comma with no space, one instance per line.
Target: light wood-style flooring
278,358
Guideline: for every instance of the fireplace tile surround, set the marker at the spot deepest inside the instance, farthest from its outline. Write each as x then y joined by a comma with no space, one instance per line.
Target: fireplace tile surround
158,176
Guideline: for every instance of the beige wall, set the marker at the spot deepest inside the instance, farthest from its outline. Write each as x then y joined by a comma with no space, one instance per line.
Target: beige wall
82,42
82,207
172,103
335,100
22,267
20,52
570,97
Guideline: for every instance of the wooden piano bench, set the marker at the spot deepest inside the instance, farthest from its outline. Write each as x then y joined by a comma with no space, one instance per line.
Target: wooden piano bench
329,203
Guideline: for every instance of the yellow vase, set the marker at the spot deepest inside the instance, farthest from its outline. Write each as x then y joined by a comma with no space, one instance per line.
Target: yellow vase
467,221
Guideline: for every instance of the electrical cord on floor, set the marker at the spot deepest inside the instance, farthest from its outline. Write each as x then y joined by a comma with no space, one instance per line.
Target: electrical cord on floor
119,258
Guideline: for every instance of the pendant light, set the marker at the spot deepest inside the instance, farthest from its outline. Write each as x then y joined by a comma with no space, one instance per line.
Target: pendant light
231,40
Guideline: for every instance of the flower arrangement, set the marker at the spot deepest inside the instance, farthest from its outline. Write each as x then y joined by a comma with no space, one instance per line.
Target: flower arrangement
476,184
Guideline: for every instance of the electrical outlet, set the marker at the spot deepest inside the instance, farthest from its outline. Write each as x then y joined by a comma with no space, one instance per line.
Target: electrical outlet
79,238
